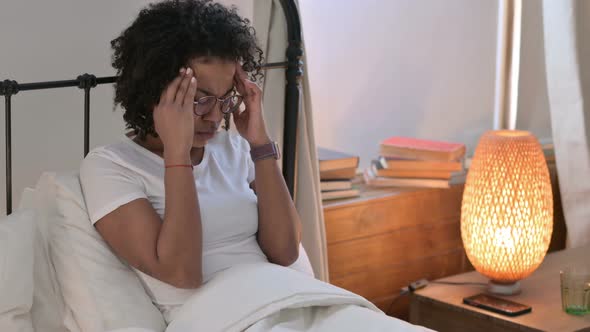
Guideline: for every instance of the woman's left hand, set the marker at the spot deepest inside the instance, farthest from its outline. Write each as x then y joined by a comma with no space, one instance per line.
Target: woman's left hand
249,122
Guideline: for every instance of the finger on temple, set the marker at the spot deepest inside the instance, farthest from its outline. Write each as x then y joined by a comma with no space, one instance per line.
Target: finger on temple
181,92
170,91
189,97
239,85
241,72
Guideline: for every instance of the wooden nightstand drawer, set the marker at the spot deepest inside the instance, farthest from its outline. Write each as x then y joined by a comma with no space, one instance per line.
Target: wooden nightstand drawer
374,253
400,209
381,283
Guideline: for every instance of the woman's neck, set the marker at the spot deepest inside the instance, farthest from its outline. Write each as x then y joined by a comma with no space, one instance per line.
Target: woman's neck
155,145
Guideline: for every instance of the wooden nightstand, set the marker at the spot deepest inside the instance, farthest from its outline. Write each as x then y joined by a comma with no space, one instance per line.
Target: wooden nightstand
441,307
388,238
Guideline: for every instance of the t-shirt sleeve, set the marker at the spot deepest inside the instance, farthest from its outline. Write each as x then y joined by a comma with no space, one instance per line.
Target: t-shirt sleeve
245,150
107,185
242,148
251,169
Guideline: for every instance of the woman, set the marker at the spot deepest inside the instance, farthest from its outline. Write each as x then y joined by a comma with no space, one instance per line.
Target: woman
181,200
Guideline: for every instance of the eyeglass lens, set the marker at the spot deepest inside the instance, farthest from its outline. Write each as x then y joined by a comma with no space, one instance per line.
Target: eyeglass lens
205,104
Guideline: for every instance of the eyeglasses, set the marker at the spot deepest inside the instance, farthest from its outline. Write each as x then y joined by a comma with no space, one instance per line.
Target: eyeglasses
229,104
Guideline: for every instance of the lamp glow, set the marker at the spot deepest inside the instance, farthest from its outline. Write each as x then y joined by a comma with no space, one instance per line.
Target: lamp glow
507,208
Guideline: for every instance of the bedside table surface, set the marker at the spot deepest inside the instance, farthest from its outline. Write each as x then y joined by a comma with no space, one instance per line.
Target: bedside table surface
541,291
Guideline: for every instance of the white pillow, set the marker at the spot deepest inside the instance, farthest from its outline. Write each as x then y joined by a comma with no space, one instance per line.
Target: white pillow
16,271
48,310
100,291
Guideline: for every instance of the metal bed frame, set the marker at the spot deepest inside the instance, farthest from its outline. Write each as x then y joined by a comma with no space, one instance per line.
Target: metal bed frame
294,72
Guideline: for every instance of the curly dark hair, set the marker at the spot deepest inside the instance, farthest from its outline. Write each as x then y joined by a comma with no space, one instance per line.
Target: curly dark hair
165,37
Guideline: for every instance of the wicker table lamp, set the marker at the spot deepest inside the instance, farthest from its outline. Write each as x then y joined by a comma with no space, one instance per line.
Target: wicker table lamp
507,209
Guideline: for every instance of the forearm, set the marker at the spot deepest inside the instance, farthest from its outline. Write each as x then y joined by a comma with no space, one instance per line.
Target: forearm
180,238
279,227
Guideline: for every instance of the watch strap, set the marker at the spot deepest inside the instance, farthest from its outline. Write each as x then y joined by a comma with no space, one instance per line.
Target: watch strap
265,151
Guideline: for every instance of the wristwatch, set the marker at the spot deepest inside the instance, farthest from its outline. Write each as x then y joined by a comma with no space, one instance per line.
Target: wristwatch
265,151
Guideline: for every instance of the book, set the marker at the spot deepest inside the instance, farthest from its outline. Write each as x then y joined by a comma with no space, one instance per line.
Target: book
332,185
380,170
377,181
412,164
333,160
408,173
338,174
374,180
421,149
338,194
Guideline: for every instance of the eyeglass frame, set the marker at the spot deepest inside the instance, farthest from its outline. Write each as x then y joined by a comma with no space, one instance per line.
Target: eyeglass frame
233,94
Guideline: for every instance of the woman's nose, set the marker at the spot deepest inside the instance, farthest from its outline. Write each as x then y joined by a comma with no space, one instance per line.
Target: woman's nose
215,114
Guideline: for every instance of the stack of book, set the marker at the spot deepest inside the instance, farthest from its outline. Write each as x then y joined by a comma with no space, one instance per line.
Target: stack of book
412,162
337,170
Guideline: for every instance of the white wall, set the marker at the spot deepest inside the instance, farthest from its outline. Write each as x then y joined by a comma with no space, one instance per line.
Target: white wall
55,40
399,67
432,61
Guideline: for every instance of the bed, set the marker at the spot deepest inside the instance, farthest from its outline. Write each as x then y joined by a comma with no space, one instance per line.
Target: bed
57,274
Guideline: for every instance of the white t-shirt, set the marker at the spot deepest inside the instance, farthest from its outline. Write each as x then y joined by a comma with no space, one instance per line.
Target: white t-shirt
119,173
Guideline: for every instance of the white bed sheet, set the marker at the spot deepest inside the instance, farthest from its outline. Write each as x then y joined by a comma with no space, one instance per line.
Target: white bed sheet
132,329
267,297
342,318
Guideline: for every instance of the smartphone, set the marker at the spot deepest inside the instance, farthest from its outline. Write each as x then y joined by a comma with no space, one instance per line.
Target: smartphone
497,305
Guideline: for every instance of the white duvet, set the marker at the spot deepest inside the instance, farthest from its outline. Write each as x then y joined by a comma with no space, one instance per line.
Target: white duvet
266,297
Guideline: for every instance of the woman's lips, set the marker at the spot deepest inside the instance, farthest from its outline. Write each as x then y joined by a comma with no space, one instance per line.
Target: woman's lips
205,135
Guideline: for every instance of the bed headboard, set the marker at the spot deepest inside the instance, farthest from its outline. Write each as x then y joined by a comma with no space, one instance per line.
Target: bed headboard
9,88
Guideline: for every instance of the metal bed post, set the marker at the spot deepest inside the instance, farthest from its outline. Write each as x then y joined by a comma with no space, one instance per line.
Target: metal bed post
292,93
87,82
7,89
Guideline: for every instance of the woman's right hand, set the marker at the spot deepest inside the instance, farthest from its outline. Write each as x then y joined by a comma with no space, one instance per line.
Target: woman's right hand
173,116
